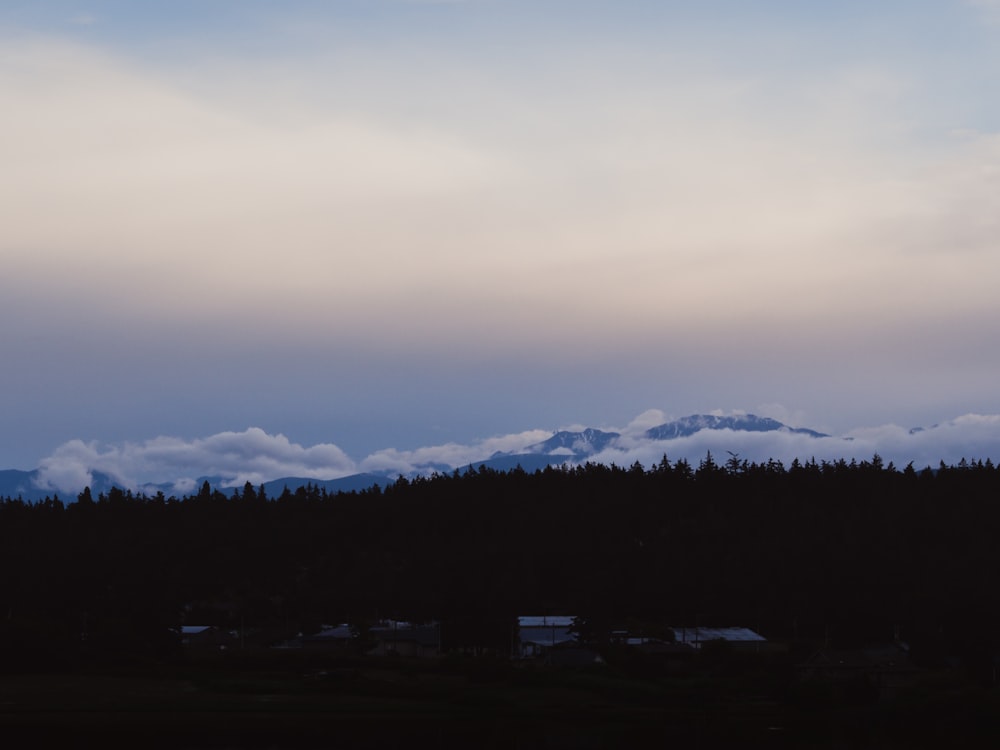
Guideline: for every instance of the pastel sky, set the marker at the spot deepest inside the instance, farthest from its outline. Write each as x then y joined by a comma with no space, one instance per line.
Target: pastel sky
377,225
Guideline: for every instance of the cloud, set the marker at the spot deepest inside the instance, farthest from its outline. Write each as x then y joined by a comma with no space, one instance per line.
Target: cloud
155,185
453,455
973,436
785,415
238,457
256,456
728,200
70,468
646,420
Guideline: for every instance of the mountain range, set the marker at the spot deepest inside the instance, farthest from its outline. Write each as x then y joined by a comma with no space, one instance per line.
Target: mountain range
562,447
746,422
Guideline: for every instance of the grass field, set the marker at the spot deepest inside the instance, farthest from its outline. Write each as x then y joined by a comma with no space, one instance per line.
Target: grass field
304,701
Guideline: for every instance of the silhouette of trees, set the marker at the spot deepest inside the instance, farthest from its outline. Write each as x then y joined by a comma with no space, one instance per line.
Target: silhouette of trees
854,549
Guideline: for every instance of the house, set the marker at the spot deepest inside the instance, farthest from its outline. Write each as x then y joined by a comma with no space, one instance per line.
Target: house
329,637
539,634
205,636
740,639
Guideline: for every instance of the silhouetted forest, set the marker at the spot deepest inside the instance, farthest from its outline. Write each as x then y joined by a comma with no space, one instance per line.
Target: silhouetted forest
851,551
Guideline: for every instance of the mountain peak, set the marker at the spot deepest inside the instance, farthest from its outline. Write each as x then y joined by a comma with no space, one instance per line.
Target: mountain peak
686,426
575,444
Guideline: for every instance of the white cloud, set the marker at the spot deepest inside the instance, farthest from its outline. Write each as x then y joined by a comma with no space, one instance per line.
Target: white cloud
70,468
453,455
252,455
785,415
646,420
972,436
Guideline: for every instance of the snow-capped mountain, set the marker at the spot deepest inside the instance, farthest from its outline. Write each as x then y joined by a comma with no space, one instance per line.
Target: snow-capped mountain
578,446
575,444
687,426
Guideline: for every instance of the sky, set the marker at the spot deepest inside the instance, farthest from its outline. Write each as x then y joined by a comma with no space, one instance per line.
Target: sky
368,228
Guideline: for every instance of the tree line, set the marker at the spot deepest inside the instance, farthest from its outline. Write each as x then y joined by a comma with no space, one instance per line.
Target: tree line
852,551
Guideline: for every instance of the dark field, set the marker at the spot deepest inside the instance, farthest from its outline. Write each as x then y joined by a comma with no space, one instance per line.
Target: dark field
284,700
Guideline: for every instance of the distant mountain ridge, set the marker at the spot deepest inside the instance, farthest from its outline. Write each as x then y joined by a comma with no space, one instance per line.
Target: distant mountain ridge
575,444
687,426
588,442
565,446
28,485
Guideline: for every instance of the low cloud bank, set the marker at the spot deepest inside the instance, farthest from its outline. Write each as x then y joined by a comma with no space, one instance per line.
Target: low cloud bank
451,455
972,436
256,456
238,457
